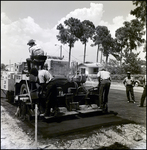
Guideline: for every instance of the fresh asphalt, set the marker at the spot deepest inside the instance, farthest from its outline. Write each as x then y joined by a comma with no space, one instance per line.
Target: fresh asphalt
126,113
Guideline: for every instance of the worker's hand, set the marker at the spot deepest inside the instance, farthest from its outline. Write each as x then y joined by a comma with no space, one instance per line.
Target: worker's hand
40,90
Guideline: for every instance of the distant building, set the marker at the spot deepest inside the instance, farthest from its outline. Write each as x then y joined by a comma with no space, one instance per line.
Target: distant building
90,69
16,67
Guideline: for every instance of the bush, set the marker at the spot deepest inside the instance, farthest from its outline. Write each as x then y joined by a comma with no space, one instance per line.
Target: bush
122,76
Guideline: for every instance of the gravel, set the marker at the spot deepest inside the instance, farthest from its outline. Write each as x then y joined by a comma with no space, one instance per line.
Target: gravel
127,136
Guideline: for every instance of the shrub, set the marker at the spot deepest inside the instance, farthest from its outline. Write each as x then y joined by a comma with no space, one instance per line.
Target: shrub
122,76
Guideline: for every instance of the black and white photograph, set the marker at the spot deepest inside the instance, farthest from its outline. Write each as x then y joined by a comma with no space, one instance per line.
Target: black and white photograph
73,75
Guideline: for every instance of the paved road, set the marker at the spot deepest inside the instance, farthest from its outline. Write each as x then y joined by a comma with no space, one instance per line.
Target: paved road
118,102
114,85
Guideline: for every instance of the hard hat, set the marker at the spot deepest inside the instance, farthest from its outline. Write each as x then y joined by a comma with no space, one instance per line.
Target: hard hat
128,72
31,42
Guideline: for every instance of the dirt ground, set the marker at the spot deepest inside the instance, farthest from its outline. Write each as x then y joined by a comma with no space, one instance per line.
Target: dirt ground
123,136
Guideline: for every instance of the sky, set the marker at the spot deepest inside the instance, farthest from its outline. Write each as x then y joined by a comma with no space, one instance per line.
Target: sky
25,20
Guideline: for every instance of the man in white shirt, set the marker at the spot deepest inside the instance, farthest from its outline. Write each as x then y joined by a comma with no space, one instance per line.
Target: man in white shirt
42,77
35,50
129,84
104,86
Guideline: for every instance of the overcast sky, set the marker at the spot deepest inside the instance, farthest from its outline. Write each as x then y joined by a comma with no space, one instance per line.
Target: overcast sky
25,20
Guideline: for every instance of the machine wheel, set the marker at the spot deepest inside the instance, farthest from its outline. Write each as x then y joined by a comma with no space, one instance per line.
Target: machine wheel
67,103
28,117
82,89
23,89
22,111
71,89
10,96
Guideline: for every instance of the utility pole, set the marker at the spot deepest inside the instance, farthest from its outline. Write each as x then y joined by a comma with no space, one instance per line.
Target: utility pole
101,48
60,49
97,53
101,56
84,53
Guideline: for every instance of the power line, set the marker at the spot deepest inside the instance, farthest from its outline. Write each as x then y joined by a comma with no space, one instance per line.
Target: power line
56,51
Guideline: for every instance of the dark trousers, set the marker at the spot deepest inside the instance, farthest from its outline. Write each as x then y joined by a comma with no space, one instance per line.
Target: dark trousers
104,91
42,104
37,63
29,61
143,96
51,97
129,90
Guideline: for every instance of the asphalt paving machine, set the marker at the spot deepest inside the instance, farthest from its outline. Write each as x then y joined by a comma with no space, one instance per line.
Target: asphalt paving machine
72,96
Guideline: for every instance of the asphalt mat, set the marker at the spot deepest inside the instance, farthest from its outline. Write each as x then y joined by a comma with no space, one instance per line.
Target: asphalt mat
76,124
72,123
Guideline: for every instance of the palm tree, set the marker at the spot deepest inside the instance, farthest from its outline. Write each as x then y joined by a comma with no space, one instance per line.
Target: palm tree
67,34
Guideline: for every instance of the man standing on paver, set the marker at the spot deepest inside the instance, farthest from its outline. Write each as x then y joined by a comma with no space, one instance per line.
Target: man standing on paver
104,86
129,84
35,50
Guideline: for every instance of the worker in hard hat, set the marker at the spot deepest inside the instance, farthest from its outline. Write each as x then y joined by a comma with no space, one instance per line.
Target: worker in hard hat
104,86
129,84
35,50
41,78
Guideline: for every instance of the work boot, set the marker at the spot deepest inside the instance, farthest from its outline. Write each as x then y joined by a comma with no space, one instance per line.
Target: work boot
139,105
42,113
56,111
101,106
47,112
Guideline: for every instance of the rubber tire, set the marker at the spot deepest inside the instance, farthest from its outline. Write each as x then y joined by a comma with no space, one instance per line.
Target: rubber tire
22,109
70,85
10,96
23,89
67,104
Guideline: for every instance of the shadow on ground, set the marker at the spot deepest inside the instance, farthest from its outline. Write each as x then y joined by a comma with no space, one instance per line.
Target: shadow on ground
116,145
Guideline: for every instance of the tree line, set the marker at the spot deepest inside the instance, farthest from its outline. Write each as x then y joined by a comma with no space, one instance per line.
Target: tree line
127,38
